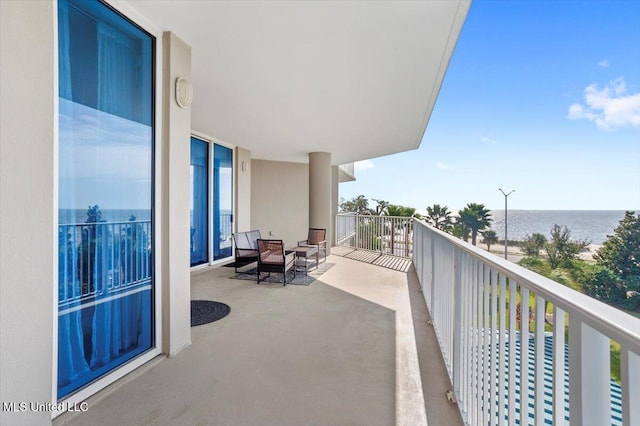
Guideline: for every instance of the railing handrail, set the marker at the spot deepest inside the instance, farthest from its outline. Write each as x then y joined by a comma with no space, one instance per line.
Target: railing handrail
119,222
376,215
610,321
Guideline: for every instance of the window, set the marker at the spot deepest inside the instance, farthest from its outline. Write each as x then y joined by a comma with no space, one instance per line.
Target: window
105,239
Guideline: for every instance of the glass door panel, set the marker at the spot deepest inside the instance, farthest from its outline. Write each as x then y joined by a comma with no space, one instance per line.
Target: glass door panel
199,204
222,202
105,229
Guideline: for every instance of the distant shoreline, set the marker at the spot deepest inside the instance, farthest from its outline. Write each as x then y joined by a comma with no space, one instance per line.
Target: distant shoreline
515,254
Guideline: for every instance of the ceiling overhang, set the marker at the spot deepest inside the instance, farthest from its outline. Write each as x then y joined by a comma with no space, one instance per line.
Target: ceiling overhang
282,79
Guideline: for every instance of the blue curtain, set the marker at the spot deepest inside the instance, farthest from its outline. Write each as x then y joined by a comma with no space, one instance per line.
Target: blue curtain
199,210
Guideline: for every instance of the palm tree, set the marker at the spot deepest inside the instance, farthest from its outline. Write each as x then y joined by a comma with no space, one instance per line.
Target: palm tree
459,230
401,211
439,217
476,217
489,237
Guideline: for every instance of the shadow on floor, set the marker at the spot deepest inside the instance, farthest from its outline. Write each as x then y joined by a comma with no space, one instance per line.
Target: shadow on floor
396,263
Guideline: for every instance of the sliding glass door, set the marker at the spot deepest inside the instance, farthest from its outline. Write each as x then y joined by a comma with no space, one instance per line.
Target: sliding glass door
211,202
222,202
105,232
199,202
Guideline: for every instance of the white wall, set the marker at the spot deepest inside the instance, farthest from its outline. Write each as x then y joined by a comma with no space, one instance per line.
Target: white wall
175,193
280,200
242,217
28,154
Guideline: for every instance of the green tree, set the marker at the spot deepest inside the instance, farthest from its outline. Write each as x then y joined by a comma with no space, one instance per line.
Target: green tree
460,230
358,205
476,217
561,249
402,211
533,243
621,252
489,237
439,217
381,207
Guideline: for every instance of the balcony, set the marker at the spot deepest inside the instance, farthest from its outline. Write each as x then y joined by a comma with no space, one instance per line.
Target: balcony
354,347
357,345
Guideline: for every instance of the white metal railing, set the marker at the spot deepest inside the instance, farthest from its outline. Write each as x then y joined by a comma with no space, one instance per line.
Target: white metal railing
385,234
503,370
101,259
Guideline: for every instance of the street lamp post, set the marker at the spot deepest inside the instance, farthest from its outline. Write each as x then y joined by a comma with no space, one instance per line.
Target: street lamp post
506,240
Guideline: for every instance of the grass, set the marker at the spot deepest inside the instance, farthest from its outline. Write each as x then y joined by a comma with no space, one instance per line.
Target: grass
567,277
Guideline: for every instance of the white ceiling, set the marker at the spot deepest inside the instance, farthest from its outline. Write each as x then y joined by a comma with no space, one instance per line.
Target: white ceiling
283,78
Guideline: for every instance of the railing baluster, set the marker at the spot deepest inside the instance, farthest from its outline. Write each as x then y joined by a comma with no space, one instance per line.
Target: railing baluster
539,359
558,365
502,307
477,297
524,355
494,348
513,307
458,305
589,382
486,340
630,374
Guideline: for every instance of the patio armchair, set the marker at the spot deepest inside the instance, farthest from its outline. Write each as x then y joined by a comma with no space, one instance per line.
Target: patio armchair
273,258
246,247
316,238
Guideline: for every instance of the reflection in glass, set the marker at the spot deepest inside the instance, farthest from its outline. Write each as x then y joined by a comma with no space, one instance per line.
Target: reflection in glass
199,197
222,201
105,233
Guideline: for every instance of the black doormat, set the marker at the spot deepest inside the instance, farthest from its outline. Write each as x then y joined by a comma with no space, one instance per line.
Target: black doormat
206,311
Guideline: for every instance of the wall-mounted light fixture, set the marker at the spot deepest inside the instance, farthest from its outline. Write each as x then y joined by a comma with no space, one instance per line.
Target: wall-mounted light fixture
184,92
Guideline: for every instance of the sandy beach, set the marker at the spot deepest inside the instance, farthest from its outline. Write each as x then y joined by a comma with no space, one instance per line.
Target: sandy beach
514,254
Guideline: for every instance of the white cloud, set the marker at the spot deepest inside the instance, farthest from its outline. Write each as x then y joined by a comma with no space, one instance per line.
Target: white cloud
443,166
610,107
603,64
485,139
359,166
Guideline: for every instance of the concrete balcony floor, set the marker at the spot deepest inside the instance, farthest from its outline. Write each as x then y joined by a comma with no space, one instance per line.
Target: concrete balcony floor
353,348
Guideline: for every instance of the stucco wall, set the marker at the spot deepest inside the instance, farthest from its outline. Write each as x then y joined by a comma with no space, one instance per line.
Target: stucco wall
280,200
28,271
175,193
243,190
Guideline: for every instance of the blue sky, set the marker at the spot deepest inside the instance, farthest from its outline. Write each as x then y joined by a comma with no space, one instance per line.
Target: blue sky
542,97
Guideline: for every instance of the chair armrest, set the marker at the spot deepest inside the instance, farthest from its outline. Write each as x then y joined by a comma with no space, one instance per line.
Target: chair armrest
246,252
303,243
289,257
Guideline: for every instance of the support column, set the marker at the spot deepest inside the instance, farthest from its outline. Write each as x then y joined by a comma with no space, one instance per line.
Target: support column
28,208
320,192
174,195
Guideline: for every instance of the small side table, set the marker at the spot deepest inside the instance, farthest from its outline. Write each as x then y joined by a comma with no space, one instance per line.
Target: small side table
302,254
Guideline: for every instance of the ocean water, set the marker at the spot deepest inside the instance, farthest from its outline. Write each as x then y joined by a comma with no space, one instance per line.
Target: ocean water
593,225
69,216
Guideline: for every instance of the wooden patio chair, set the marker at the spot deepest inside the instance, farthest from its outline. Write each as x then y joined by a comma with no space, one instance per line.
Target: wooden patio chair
273,258
316,238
